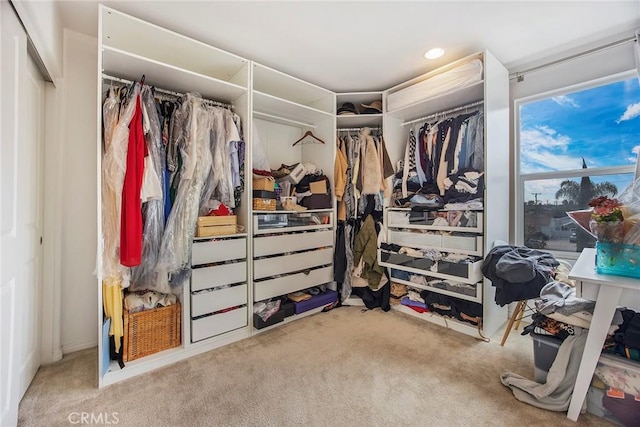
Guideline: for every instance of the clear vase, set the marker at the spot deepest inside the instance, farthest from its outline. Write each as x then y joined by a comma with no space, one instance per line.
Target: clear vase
607,231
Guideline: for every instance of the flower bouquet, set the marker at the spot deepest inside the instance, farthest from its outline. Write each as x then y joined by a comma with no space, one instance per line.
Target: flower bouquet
606,221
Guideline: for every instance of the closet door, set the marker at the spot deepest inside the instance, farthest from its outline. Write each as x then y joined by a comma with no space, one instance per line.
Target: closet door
22,121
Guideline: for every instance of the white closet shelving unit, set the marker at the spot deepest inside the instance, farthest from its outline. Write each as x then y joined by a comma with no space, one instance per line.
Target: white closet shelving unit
284,251
362,119
492,220
128,49
292,250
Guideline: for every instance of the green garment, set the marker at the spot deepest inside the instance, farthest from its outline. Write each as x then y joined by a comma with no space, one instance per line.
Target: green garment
366,247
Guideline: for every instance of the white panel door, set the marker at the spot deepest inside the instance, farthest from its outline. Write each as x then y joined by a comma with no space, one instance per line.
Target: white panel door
30,219
21,119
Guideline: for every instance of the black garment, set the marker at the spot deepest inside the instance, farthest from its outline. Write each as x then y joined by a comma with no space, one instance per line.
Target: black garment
628,333
390,247
451,306
542,263
378,298
339,256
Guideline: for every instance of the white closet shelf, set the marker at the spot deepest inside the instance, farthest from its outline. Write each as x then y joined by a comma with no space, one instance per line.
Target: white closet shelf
130,66
223,236
444,101
477,298
445,249
359,120
126,32
437,228
472,271
289,229
358,98
439,210
447,322
288,110
289,319
280,85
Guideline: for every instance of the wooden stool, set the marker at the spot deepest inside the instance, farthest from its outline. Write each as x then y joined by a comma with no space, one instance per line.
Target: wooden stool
516,317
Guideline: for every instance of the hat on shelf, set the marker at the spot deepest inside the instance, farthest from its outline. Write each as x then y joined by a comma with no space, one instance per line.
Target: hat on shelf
347,108
374,108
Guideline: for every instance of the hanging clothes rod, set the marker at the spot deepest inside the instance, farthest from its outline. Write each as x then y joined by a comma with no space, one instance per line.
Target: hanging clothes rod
165,91
519,75
444,113
358,129
282,120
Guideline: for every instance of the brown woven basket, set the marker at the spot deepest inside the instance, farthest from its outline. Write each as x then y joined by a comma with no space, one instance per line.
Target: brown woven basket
264,204
266,184
150,331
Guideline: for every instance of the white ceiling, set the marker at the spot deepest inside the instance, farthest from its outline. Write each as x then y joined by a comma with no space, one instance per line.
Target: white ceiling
367,45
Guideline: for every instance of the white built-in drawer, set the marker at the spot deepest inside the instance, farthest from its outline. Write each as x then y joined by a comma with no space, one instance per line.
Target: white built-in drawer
270,245
466,243
223,274
287,263
294,282
218,251
409,238
217,299
217,324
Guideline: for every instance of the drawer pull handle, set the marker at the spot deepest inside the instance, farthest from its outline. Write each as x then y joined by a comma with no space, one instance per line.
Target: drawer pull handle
307,272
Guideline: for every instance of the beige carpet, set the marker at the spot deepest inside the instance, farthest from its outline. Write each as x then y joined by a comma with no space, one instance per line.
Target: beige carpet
342,368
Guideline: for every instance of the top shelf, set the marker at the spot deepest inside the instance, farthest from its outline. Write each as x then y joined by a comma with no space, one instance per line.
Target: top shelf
280,85
442,102
141,38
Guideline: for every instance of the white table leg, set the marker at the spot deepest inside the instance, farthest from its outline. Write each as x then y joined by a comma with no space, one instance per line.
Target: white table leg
608,298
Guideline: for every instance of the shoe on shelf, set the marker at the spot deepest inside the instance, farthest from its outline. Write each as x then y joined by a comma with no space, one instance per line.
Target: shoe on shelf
290,205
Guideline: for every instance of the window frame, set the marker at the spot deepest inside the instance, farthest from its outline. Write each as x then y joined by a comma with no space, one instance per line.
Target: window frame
521,179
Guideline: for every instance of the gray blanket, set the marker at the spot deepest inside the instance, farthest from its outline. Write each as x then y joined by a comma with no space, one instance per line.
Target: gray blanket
555,394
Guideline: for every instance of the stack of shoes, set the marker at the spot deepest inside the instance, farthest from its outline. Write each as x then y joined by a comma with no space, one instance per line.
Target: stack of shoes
290,205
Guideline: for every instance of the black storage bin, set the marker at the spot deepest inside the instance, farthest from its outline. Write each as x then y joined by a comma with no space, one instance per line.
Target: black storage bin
421,263
277,317
454,268
288,308
262,194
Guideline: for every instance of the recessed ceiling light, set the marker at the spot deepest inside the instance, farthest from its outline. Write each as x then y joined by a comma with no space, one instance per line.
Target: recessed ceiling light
434,53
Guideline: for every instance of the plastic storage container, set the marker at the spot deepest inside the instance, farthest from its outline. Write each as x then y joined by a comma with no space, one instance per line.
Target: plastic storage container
618,259
545,349
621,407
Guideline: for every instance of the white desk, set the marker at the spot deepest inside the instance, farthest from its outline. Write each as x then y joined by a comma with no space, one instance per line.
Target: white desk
609,292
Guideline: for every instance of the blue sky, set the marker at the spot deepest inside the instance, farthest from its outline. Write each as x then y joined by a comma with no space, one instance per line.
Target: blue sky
600,124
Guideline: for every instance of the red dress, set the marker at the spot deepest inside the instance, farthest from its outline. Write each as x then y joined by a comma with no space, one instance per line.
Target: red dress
131,215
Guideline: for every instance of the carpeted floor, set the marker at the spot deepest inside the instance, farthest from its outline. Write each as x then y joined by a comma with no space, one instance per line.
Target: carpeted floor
342,368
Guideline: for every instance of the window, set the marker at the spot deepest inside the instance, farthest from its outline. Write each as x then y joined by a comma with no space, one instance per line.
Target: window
573,146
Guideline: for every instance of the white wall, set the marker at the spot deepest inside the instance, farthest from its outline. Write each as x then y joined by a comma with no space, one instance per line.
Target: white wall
44,26
79,229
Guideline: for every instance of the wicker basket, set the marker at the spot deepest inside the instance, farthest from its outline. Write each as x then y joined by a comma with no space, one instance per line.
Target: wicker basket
150,331
264,204
266,184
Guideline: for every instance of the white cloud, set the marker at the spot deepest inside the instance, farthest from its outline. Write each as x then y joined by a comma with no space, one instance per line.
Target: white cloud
543,149
632,112
564,101
636,149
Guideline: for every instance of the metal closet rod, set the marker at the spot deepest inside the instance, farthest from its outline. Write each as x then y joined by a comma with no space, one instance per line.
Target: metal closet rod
357,129
444,113
519,75
165,91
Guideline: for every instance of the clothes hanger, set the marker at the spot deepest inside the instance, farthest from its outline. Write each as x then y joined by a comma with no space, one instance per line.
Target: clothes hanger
306,134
